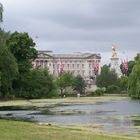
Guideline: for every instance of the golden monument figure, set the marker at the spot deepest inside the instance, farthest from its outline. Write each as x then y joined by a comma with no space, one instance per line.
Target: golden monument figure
114,53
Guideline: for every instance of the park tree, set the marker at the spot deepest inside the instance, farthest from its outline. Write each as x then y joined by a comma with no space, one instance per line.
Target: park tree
137,57
123,83
63,81
134,79
37,83
3,36
23,48
79,84
8,71
130,66
8,65
107,77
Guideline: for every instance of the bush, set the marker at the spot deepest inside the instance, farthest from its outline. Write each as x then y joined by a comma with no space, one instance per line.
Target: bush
113,89
38,83
97,92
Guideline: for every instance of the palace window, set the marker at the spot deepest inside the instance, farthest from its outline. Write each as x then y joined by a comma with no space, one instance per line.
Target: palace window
89,73
83,72
72,65
78,72
89,65
68,65
77,65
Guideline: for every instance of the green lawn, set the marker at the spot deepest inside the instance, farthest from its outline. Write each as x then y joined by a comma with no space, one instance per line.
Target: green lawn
15,130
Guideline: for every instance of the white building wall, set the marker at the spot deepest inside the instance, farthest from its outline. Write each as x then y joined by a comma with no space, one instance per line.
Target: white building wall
82,64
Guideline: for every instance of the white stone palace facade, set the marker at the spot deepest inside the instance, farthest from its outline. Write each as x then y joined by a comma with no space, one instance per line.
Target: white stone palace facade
77,63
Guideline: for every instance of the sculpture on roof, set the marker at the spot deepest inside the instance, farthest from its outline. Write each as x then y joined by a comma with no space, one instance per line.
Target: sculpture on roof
114,53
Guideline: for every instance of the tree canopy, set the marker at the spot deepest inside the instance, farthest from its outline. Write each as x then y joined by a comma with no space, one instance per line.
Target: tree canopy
8,70
22,47
37,83
64,80
79,84
107,77
134,79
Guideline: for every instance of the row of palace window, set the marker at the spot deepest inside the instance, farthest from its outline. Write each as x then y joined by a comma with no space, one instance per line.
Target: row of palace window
68,65
77,72
59,65
41,63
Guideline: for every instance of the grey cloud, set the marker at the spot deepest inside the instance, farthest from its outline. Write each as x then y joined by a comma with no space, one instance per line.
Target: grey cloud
72,25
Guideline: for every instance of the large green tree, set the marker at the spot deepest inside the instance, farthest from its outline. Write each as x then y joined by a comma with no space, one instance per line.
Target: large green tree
23,48
64,80
79,84
4,36
8,71
123,83
134,79
8,66
130,66
107,77
38,83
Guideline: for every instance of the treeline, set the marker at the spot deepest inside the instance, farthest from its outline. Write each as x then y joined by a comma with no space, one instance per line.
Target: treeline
19,79
128,83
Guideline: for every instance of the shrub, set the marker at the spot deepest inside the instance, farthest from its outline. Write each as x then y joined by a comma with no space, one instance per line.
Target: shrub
97,92
113,89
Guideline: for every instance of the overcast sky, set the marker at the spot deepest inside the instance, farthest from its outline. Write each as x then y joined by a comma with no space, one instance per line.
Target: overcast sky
66,26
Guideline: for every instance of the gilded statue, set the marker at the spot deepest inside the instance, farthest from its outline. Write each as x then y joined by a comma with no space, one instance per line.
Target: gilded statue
114,53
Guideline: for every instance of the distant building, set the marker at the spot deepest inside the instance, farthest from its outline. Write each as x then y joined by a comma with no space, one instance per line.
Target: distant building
85,64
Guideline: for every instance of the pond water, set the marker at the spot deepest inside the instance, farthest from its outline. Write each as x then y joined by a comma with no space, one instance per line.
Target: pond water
111,116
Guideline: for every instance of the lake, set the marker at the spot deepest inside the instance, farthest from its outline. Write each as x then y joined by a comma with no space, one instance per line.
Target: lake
113,116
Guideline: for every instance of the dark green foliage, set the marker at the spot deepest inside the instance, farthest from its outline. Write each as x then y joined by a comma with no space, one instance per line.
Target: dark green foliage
3,36
134,80
113,89
8,71
130,66
98,92
123,83
107,77
64,80
22,47
137,57
38,83
8,66
79,84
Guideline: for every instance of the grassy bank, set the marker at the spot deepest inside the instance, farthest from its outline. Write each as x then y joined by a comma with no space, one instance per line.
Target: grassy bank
81,100
14,130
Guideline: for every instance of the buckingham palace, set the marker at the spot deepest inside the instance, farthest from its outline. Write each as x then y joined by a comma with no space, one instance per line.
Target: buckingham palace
85,64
